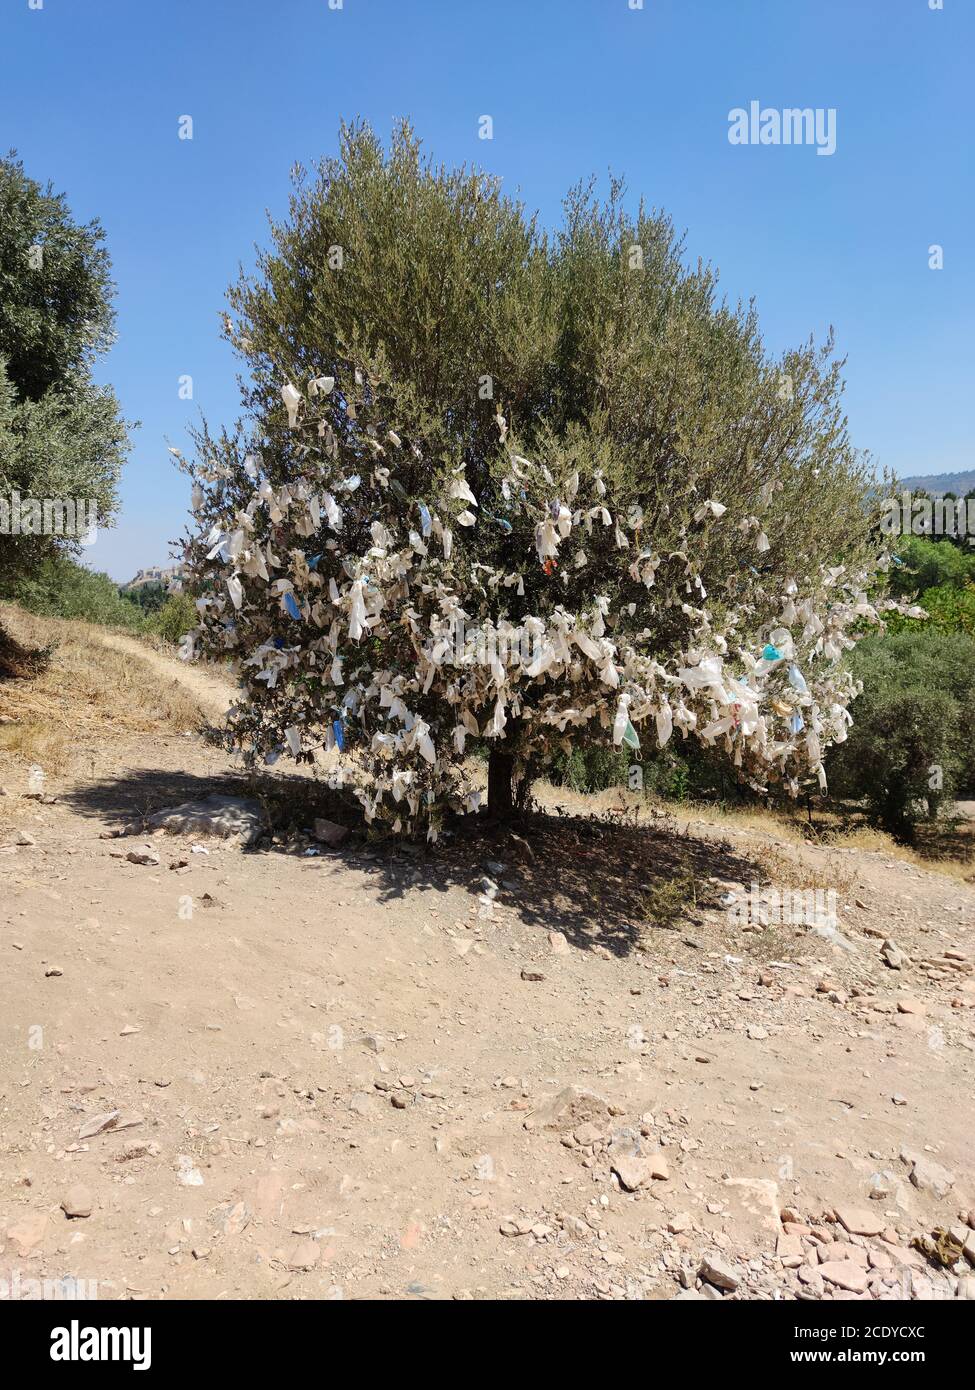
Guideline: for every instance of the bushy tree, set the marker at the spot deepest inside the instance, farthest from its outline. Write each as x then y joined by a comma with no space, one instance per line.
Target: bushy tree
942,577
174,619
912,746
921,564
540,490
61,436
950,608
149,597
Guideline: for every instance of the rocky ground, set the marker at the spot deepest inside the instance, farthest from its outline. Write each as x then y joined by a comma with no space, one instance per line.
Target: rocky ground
302,1071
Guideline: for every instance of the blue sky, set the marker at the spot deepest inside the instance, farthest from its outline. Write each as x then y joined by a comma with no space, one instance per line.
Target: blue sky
93,90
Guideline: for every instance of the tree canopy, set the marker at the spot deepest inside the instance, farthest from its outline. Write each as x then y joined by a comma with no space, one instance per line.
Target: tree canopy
61,436
529,487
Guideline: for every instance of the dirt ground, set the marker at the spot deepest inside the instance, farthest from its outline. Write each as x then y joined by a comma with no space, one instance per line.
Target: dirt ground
275,1073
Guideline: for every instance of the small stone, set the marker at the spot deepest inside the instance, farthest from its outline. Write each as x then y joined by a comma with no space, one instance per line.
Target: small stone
587,1135
679,1223
842,1250
789,1247
76,1202
28,1232
633,1173
756,1032
329,832
927,1175
881,1186
570,1108
53,971
146,855
859,1222
718,1272
516,1226
796,1228
97,1123
400,1100
534,976
232,1218
845,1274
893,956
558,943
186,1174
911,1006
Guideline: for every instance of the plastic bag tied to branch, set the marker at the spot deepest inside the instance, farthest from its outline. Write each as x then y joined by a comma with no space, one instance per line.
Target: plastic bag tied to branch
380,604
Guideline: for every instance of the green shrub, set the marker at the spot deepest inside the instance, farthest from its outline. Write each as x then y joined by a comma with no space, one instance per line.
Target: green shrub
176,617
677,772
60,588
909,752
149,597
591,769
951,609
922,564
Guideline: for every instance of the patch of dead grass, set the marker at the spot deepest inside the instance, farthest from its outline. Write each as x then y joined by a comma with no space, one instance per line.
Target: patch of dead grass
87,692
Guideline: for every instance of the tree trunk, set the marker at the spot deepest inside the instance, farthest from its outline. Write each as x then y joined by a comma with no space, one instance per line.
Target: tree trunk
501,799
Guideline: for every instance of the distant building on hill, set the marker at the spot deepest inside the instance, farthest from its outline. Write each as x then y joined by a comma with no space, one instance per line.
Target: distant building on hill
156,574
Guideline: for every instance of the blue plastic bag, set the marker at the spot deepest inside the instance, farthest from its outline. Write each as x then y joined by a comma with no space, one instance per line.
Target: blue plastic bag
797,680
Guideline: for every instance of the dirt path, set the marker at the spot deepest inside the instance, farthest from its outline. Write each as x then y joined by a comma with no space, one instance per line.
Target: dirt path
275,1074
213,691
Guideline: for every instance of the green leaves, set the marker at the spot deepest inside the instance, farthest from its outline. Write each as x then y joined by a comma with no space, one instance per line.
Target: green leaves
911,745
61,437
55,286
645,489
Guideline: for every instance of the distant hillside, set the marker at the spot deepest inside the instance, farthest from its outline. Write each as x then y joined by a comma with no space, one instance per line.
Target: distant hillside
937,483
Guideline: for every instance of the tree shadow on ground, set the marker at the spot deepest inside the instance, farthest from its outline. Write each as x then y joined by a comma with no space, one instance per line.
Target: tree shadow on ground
124,801
608,883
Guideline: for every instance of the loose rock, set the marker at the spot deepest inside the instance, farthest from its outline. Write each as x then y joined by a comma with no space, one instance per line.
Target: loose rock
76,1202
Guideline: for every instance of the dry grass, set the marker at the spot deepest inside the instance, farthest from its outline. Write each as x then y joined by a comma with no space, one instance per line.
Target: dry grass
88,692
948,852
